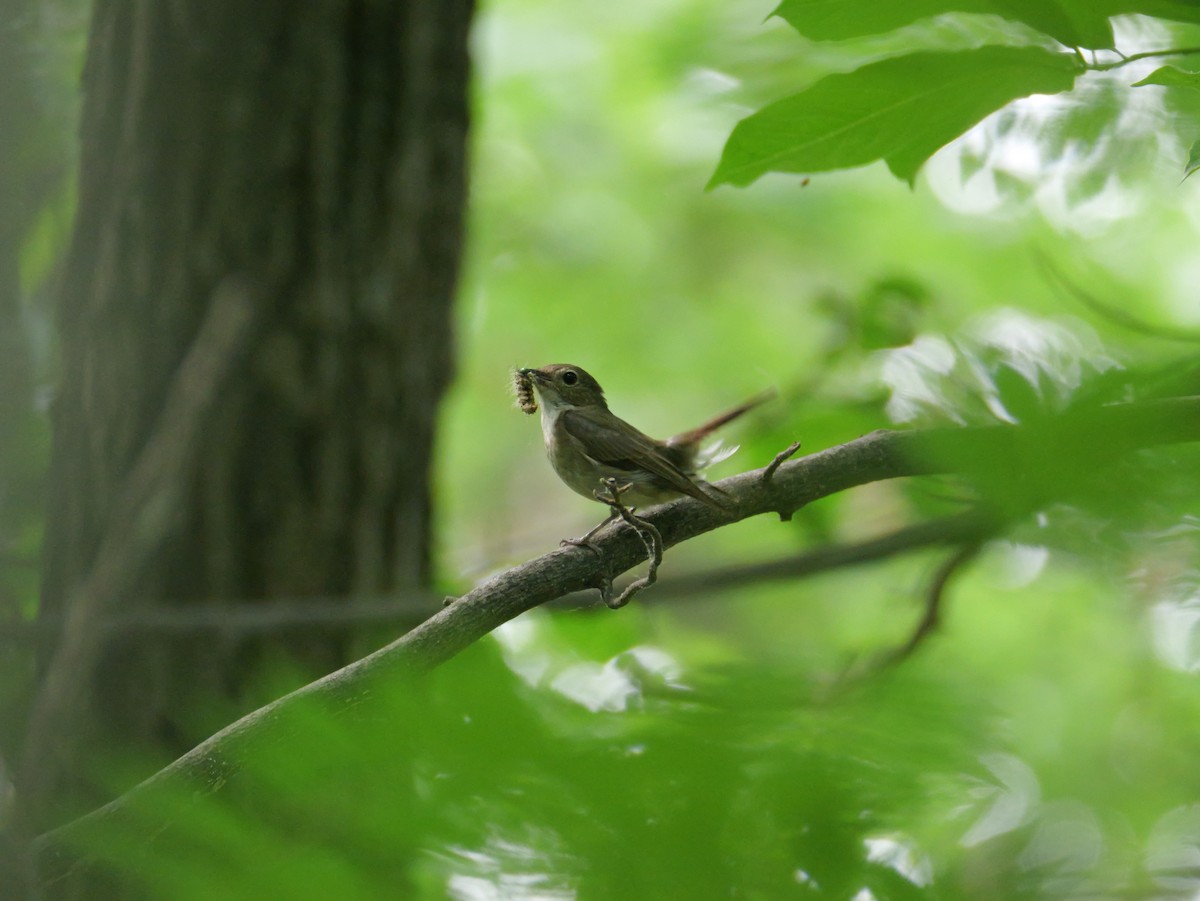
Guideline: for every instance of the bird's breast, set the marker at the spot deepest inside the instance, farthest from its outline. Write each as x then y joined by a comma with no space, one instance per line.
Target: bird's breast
576,469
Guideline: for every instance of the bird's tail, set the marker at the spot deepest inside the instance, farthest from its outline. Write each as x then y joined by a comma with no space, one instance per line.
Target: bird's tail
696,435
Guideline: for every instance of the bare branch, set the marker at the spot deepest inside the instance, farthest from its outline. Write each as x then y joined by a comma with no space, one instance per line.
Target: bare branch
1125,60
973,525
931,618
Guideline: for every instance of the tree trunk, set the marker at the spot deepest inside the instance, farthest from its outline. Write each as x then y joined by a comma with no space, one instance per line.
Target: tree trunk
307,158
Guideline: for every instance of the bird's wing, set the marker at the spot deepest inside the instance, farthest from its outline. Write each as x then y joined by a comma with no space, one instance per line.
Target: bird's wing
624,447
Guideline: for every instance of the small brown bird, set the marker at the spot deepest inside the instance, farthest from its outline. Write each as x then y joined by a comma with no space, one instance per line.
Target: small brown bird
587,444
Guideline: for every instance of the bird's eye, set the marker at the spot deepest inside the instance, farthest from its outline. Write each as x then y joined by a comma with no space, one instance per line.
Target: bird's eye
570,377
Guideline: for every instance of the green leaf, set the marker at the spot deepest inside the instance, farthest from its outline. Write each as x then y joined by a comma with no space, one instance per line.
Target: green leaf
1076,23
837,20
899,110
1176,10
1193,162
1170,77
1189,84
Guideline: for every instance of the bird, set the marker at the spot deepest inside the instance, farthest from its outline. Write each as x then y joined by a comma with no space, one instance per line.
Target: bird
591,448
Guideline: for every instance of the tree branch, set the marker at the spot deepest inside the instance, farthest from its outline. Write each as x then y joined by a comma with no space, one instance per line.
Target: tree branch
957,528
1012,450
143,517
234,619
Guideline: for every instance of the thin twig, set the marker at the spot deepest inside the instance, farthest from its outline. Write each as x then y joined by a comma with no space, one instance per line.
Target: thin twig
1114,314
1134,57
952,529
780,458
931,617
871,667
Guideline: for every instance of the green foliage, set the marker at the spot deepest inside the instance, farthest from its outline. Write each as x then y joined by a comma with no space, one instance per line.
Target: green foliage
1042,744
1183,97
1193,160
537,766
1037,748
898,110
1169,76
1075,23
905,108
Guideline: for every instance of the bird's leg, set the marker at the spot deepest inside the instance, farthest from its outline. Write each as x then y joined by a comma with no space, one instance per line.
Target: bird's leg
646,531
586,540
608,494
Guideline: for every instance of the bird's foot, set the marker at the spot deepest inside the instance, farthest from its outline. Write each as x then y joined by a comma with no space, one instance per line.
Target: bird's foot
586,540
651,538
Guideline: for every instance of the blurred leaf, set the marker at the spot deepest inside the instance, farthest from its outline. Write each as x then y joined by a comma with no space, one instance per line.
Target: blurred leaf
899,110
1193,162
823,21
1182,96
891,312
751,779
480,779
970,162
1038,365
1018,393
1075,23
1176,10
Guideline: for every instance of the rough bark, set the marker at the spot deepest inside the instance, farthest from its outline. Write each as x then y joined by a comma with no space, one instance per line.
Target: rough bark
308,158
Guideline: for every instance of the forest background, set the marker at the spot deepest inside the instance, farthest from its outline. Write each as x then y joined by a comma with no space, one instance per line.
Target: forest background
258,421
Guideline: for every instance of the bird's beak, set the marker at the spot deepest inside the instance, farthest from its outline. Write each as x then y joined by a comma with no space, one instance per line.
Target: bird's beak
535,374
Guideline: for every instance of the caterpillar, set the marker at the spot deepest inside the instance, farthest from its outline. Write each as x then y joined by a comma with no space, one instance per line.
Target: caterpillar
525,397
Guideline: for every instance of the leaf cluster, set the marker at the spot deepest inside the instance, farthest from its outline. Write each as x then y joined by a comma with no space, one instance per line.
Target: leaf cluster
904,108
